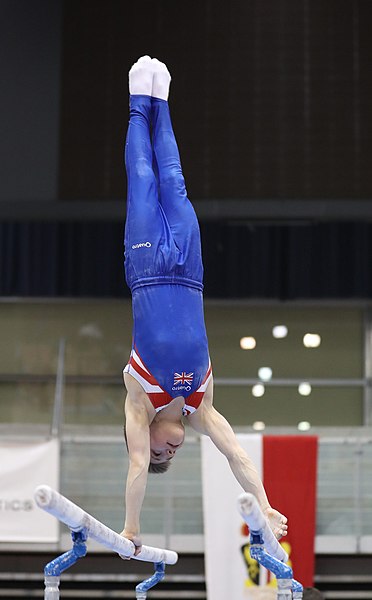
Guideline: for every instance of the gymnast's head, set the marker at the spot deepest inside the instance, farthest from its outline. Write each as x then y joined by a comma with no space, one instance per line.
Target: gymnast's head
166,437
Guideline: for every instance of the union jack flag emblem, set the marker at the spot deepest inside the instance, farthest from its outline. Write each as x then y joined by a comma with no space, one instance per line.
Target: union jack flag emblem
182,378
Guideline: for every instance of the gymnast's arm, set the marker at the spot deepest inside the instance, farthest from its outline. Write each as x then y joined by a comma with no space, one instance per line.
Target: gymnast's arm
138,441
208,421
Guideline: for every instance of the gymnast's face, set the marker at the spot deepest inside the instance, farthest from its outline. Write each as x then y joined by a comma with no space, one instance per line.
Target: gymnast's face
165,439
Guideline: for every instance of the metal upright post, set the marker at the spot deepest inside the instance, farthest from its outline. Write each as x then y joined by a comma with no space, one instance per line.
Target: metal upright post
143,587
51,587
54,569
283,572
367,368
59,390
297,590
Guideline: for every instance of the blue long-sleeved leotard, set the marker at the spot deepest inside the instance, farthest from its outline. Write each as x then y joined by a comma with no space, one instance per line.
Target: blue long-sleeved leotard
163,263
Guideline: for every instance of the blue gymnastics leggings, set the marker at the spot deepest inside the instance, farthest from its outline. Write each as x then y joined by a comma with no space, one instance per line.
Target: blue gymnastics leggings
162,237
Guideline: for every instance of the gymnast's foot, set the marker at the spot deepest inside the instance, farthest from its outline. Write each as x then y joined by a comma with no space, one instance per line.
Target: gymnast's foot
161,80
277,522
141,76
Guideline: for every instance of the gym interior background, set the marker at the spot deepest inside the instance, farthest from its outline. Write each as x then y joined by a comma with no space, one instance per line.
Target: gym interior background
271,108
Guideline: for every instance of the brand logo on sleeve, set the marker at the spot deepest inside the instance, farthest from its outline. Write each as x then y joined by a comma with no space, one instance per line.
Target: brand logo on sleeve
141,245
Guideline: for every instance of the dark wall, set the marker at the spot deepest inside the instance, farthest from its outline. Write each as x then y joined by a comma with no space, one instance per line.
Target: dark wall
30,57
269,98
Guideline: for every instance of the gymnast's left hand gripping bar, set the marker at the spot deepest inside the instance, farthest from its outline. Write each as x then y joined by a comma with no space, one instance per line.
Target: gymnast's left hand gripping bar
77,519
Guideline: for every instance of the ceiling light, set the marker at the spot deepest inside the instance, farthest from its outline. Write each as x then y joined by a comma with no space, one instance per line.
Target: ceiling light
304,388
265,373
312,340
247,343
258,390
280,331
258,425
303,426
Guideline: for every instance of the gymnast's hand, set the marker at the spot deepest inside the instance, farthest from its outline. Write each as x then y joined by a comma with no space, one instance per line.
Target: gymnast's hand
136,541
277,522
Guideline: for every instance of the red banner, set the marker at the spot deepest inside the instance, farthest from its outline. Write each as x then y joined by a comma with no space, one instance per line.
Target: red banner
290,472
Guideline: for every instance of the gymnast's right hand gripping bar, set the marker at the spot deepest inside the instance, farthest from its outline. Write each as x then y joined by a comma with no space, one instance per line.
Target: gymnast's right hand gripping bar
77,519
254,517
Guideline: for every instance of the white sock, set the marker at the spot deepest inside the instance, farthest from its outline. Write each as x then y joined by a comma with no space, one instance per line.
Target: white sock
140,77
161,80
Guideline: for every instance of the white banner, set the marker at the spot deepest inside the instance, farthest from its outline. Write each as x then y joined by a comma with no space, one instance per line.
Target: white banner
226,571
24,466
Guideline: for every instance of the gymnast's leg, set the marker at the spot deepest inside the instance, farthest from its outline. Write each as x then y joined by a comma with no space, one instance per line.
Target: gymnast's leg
173,198
144,222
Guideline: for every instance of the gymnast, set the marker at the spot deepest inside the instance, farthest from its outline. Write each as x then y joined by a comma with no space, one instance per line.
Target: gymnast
168,376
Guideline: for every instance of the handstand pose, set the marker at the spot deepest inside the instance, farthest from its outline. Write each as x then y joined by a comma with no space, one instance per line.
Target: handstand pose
169,374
